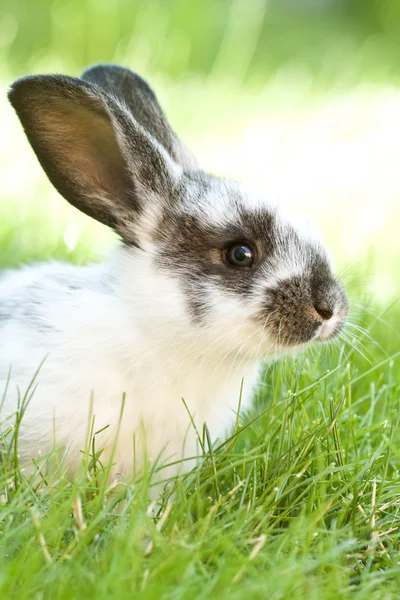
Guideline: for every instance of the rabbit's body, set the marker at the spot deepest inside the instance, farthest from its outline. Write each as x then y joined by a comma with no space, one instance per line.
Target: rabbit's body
210,280
99,350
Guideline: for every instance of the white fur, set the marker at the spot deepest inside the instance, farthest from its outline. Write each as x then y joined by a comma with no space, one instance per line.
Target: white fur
106,342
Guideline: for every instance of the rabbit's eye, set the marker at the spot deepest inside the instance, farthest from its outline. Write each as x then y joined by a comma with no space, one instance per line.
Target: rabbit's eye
239,255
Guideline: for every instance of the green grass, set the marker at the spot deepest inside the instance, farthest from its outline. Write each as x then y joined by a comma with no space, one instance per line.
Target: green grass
303,501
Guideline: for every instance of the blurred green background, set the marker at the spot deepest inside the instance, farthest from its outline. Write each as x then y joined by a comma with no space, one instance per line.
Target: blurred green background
300,97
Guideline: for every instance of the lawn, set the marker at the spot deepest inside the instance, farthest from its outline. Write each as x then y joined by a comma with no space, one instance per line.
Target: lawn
303,500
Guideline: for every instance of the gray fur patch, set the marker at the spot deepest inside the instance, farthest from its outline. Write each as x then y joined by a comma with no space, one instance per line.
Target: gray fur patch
188,241
289,309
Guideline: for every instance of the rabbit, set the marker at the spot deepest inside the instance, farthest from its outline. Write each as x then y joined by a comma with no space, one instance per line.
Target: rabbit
209,280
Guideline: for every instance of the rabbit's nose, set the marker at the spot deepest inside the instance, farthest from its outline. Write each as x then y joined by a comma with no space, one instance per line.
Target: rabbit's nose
324,311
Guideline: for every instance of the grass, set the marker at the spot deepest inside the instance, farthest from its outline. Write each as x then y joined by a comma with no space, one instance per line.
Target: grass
302,501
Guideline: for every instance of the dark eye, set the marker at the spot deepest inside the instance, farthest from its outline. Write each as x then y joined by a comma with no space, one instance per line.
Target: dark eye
239,255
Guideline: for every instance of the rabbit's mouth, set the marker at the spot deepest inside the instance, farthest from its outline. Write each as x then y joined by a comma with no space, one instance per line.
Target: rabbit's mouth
329,329
286,337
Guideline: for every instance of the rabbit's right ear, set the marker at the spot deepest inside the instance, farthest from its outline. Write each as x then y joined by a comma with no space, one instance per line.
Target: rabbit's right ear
134,93
94,153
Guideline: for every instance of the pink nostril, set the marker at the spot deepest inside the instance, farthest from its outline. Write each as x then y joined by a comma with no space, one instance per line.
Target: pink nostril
324,311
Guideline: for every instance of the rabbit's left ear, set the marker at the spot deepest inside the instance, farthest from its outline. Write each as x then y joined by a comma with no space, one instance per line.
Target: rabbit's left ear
99,158
136,95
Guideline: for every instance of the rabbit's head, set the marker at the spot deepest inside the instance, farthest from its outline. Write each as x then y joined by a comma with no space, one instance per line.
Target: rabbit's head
203,257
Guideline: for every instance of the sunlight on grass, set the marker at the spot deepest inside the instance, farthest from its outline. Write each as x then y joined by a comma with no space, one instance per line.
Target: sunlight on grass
302,498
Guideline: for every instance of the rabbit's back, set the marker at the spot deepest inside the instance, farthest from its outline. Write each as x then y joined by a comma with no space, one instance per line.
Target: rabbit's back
41,306
51,313
58,327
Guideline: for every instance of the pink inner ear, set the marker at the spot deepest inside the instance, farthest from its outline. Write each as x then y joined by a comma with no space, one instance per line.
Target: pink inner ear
83,144
94,154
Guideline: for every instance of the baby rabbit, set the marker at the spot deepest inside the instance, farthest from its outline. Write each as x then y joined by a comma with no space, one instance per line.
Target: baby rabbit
209,280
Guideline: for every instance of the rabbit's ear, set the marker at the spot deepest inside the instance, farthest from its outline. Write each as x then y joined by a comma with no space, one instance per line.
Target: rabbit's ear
93,152
139,98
